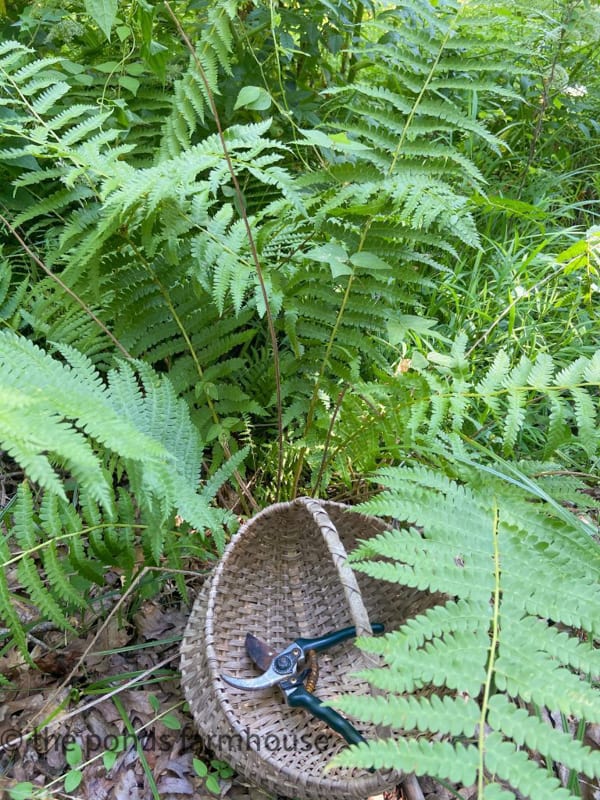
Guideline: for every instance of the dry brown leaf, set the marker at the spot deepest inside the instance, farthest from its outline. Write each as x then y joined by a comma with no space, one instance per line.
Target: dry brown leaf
126,786
173,785
154,622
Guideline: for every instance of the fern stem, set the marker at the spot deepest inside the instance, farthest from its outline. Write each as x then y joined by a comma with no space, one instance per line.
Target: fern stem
144,261
251,241
424,88
315,395
65,288
493,647
236,474
365,232
327,443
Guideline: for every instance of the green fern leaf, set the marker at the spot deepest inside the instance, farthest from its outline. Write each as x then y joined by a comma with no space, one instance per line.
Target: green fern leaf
9,614
538,735
59,580
547,570
29,578
446,714
504,761
439,759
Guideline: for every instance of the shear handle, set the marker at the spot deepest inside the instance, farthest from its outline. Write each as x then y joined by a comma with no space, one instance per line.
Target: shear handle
301,698
321,643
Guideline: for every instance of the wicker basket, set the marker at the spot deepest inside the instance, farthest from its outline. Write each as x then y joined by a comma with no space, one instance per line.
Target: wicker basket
285,575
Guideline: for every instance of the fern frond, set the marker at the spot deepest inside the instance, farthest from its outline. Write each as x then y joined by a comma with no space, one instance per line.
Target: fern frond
536,734
30,580
505,761
448,715
439,759
59,578
190,99
7,606
529,653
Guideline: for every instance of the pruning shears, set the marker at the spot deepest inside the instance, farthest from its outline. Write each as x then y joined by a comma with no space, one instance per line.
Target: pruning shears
291,667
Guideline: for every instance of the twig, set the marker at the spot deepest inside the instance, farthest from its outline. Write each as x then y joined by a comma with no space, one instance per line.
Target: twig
336,411
80,709
64,287
411,788
83,656
251,241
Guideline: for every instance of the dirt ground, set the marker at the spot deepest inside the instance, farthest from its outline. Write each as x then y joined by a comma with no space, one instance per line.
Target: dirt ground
109,711
100,714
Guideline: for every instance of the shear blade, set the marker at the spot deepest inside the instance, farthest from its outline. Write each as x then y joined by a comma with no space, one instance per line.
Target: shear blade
262,656
261,682
260,652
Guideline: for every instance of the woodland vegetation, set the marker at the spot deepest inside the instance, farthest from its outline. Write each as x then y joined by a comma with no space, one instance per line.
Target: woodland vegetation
254,250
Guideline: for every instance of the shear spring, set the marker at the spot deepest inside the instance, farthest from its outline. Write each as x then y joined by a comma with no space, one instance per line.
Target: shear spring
313,675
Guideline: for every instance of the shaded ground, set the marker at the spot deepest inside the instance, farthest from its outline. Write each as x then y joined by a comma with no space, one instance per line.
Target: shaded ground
109,711
115,700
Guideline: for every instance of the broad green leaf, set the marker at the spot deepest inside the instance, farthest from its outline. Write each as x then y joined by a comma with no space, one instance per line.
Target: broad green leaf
368,260
73,754
317,138
72,780
170,721
123,32
104,13
21,791
253,97
132,84
212,784
107,66
200,768
399,327
333,254
335,141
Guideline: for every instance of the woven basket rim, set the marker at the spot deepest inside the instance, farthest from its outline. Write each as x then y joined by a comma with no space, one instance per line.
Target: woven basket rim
236,541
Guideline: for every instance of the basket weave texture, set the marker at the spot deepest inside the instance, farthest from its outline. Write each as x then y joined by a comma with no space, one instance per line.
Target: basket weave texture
283,576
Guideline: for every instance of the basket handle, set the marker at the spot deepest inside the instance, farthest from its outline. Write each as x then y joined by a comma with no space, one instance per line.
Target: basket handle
358,611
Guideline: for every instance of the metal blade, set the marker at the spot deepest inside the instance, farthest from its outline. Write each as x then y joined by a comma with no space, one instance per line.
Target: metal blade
262,656
260,652
260,682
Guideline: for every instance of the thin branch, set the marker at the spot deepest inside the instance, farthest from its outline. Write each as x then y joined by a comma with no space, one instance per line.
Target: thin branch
65,288
334,416
251,241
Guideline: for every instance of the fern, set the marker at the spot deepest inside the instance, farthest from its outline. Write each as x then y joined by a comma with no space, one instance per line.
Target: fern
516,634
369,203
530,408
190,97
57,415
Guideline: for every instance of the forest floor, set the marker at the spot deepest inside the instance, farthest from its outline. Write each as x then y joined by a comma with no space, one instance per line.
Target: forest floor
108,706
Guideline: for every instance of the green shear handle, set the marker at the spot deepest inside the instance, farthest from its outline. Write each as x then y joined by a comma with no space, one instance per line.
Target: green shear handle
302,698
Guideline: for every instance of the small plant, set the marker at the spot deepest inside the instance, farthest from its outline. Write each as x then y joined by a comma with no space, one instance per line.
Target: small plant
74,756
212,773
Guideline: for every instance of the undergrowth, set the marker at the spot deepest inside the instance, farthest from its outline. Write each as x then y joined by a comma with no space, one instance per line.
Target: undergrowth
260,254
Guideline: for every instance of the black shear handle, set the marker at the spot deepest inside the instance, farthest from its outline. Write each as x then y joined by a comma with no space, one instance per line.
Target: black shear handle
302,698
335,637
